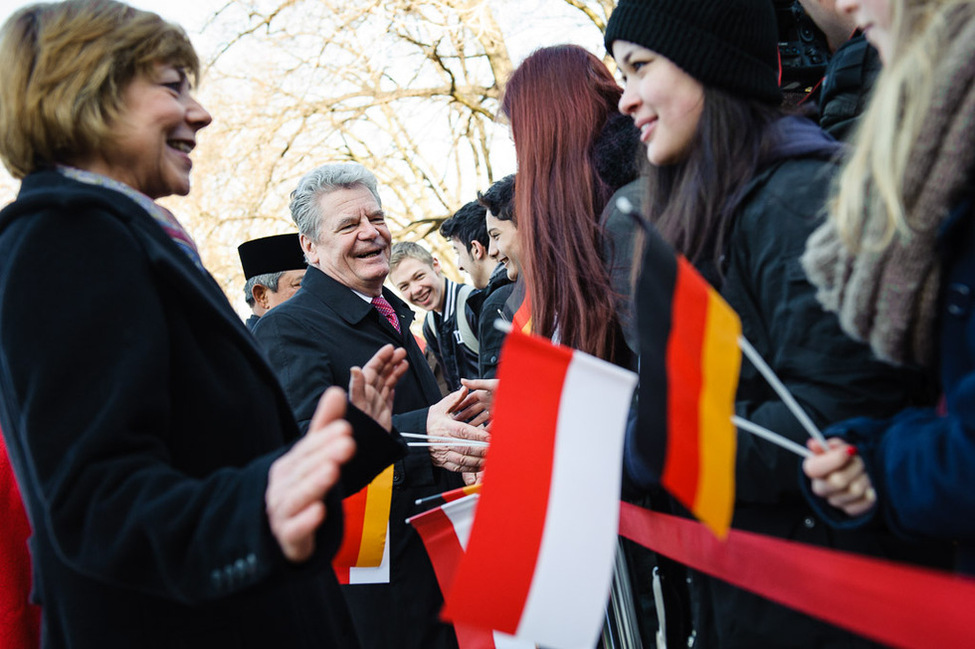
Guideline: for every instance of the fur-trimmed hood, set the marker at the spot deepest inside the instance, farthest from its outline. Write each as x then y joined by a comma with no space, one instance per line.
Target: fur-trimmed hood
616,151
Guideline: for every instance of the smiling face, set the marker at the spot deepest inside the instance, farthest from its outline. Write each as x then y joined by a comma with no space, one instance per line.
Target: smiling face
475,262
874,18
505,246
421,284
353,246
154,135
288,285
664,101
464,260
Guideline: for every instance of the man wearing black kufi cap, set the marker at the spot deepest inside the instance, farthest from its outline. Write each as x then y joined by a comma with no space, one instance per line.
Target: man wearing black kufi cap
273,267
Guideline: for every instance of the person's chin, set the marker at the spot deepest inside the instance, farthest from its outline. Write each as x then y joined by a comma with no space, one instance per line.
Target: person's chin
374,267
179,186
658,156
373,275
175,175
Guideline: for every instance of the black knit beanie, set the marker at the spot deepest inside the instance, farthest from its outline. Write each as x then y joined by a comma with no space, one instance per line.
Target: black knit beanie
727,44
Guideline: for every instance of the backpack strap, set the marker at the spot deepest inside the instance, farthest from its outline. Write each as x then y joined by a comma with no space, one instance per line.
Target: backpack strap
430,324
463,326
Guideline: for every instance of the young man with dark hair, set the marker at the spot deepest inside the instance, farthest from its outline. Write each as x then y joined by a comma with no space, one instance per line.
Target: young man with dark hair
500,225
467,234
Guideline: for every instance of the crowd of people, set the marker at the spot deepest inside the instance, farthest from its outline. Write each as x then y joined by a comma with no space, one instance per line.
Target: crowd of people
178,476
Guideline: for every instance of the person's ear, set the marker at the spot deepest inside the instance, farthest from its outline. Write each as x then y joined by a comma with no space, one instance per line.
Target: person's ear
308,247
436,265
478,251
260,295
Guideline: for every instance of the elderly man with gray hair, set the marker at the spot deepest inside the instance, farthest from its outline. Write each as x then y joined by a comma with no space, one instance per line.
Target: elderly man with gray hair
338,319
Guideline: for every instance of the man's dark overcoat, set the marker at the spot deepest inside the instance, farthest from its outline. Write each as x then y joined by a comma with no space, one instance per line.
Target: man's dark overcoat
313,340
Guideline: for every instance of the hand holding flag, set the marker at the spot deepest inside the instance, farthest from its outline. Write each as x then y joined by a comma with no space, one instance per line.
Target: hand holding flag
545,536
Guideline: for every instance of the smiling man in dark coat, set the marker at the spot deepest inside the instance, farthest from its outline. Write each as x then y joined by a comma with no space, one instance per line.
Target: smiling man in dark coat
338,319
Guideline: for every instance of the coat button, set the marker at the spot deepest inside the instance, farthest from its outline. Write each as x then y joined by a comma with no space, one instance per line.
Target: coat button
809,522
216,578
240,568
397,476
251,564
958,299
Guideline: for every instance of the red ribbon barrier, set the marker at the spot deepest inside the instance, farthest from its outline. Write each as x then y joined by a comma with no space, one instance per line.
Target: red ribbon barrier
899,605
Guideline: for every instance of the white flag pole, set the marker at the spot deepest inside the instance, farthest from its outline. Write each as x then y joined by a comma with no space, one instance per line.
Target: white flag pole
451,441
781,390
501,324
766,434
457,443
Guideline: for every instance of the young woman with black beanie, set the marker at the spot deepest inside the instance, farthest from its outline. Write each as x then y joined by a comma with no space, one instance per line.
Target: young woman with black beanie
736,186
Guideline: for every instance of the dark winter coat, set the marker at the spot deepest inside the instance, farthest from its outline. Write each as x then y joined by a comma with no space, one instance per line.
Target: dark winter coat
313,340
490,307
252,321
444,339
142,419
619,238
850,75
831,376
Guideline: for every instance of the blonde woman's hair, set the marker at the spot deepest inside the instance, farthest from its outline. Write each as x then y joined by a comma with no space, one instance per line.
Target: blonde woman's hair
872,180
65,66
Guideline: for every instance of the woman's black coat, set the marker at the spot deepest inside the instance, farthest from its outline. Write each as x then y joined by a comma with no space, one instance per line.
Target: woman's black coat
142,420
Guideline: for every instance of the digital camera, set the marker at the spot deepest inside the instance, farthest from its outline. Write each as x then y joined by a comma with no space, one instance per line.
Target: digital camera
802,47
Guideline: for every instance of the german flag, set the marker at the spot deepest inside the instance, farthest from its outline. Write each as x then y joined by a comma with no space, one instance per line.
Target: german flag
366,515
522,320
519,305
689,366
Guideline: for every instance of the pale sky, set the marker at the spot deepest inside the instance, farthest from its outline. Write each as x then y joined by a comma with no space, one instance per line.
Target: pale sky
527,24
188,13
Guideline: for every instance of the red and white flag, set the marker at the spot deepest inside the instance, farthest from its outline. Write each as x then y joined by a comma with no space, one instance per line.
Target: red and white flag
539,562
445,531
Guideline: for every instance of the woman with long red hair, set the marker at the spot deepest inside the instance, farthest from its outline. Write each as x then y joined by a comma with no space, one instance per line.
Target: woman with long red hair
574,150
